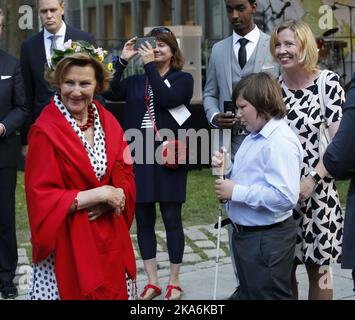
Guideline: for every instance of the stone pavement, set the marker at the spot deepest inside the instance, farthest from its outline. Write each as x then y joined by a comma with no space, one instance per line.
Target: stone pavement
198,270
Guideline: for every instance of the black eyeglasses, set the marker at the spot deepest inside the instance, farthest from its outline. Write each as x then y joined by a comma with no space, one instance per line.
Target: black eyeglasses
157,30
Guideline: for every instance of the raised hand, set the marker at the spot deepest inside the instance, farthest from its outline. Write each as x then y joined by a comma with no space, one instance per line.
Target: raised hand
147,52
128,51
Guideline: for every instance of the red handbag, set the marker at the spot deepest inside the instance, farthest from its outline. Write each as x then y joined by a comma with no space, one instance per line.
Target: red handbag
173,152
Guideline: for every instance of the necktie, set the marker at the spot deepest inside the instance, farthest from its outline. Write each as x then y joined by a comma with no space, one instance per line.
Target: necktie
242,53
53,43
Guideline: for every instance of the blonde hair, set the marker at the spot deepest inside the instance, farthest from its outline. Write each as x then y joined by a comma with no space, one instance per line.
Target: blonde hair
56,76
61,3
308,56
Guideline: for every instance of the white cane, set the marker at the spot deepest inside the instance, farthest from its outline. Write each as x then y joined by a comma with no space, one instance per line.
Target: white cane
220,210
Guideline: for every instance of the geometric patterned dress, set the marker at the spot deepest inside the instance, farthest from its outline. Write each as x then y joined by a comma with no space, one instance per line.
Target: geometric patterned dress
319,218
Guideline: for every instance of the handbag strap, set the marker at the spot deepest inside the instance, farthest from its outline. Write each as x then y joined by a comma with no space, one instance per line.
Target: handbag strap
146,102
322,94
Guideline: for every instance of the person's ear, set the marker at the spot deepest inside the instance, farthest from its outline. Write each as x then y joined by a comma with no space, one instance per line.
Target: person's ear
254,7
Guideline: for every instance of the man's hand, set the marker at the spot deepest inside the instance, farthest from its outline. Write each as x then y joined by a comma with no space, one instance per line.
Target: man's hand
224,189
224,120
24,150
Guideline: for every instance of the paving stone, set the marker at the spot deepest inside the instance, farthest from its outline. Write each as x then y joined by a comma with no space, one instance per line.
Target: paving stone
25,244
192,258
188,249
205,264
163,265
204,244
142,277
225,260
164,272
21,252
162,256
213,231
195,234
23,260
187,269
139,264
212,253
161,234
224,238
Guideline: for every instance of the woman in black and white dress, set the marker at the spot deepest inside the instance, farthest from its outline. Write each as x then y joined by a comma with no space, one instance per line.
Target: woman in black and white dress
318,213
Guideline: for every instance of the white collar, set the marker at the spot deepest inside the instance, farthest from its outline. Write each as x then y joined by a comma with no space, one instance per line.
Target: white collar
61,32
252,36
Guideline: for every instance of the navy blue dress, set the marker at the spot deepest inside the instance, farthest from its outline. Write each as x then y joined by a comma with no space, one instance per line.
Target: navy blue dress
154,182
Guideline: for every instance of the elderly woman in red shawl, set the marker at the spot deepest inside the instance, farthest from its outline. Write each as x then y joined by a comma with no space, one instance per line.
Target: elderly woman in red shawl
79,186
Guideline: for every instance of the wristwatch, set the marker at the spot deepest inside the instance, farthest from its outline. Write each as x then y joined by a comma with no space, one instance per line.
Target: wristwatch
315,176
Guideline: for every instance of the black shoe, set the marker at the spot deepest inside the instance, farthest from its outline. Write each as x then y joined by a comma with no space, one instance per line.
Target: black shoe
235,294
8,290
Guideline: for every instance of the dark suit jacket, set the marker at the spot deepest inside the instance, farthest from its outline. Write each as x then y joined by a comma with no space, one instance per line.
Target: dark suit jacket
33,60
339,160
13,110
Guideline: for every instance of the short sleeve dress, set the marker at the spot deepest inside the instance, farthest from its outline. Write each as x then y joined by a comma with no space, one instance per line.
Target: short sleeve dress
319,218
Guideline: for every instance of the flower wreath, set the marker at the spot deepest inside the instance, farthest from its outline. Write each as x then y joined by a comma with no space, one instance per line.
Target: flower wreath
71,47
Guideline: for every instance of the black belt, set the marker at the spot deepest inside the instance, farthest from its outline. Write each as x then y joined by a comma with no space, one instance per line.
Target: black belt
240,228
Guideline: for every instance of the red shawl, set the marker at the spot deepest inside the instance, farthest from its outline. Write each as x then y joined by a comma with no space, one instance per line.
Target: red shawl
91,258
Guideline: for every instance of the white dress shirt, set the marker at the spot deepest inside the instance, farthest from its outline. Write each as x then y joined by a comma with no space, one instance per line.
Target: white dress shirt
266,170
253,37
59,40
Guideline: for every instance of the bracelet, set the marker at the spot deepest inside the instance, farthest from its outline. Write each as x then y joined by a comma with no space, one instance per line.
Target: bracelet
76,203
122,62
315,176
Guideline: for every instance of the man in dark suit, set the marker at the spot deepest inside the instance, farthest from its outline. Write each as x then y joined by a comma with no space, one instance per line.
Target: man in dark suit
13,112
339,160
36,52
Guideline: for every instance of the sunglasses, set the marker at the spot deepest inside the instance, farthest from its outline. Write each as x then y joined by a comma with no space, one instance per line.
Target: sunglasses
158,30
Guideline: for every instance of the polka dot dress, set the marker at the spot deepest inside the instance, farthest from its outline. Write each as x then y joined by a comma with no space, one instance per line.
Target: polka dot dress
44,284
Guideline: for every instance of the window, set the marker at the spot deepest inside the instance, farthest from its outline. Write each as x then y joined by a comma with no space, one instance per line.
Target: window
144,12
166,12
108,21
188,12
127,18
214,19
92,20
